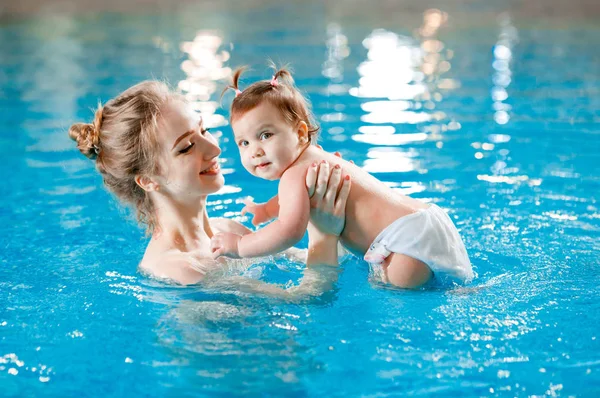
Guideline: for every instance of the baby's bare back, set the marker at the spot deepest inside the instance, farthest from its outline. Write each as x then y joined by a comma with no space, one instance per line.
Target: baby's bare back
371,205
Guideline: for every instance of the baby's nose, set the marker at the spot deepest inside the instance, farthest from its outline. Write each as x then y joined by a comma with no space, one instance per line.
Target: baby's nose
258,152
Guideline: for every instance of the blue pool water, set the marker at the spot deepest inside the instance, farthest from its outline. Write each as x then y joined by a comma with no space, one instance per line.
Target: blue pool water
489,109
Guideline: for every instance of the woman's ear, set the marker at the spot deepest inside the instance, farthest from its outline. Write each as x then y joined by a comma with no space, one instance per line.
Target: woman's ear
303,132
146,183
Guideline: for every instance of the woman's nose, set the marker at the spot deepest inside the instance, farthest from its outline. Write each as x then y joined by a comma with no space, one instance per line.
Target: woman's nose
211,148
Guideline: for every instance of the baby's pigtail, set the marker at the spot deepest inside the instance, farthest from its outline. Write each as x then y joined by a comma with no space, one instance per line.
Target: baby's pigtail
284,76
281,75
235,84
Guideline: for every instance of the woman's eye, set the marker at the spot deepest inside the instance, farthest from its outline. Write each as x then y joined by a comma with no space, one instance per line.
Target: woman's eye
187,148
264,136
204,131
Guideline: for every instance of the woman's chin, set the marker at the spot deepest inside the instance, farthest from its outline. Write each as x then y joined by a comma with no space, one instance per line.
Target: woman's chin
218,183
212,185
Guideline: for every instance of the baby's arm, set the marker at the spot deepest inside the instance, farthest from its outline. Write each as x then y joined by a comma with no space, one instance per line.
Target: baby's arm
272,207
289,228
262,212
286,231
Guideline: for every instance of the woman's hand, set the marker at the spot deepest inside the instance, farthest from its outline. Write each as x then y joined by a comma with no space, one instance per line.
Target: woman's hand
327,213
327,204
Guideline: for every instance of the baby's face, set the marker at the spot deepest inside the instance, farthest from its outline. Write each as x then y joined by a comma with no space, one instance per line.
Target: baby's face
268,144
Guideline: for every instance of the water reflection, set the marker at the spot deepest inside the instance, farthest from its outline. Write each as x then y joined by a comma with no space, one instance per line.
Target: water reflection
502,72
333,69
404,74
12,364
502,77
391,160
390,70
208,336
436,59
205,67
57,55
433,62
381,138
337,51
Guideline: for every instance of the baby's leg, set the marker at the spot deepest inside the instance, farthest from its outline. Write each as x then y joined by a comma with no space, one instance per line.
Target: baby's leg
406,272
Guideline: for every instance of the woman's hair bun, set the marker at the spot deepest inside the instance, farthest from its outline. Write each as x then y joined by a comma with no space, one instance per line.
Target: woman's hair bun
87,136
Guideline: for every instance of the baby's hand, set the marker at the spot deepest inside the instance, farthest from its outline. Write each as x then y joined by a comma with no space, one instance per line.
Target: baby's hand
225,244
259,210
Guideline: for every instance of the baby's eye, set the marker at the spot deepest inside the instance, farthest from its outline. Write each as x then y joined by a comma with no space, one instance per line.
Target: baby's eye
265,135
187,148
243,143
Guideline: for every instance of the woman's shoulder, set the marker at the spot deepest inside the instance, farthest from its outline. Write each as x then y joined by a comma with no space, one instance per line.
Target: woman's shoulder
174,265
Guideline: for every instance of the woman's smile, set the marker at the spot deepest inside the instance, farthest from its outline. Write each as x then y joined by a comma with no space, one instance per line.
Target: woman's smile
214,169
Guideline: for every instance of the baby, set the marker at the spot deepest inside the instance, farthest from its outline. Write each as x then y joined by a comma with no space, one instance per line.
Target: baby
274,129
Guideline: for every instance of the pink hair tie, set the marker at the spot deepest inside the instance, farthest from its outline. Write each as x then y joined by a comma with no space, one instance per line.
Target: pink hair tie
274,81
237,92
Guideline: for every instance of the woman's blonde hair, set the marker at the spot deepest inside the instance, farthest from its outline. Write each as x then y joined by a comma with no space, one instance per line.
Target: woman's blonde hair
122,139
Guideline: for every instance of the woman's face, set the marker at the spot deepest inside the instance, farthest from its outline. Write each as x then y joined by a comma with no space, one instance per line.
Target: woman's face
189,163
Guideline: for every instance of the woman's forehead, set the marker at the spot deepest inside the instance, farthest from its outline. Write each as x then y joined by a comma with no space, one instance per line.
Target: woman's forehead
178,117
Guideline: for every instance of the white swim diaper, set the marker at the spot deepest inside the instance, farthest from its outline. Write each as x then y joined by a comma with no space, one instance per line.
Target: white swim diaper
428,235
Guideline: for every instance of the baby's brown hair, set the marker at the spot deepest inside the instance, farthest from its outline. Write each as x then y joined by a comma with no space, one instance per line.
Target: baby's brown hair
280,92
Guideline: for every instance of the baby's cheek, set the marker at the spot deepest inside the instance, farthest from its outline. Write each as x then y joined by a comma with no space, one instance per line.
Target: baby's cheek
244,158
247,167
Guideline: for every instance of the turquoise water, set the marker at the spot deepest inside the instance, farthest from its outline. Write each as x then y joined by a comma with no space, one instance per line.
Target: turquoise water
488,110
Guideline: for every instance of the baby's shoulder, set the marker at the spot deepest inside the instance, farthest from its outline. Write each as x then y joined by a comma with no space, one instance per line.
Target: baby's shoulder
295,172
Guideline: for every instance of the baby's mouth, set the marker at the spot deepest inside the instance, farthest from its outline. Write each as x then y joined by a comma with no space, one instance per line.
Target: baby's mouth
263,165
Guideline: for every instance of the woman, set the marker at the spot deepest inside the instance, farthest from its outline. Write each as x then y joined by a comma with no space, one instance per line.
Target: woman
155,154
